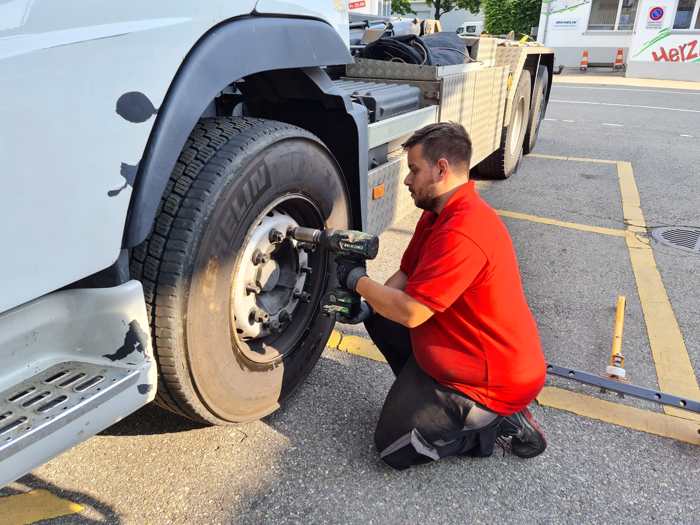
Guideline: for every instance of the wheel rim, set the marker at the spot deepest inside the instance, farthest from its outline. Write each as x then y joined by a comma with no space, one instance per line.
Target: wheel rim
273,280
517,126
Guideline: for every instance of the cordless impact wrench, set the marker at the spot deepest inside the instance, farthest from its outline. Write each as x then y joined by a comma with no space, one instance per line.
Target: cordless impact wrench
348,244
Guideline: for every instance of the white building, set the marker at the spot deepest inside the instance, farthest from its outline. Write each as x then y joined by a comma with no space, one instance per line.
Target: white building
660,38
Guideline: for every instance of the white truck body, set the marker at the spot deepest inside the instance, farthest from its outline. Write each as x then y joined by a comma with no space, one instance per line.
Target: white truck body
68,65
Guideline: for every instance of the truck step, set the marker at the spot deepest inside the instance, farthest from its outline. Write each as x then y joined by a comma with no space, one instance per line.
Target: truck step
38,406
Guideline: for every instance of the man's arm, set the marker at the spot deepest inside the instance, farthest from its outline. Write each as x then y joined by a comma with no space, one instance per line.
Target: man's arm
392,303
397,281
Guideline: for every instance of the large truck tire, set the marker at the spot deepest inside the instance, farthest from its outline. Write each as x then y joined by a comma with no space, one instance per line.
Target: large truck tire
503,162
538,109
235,308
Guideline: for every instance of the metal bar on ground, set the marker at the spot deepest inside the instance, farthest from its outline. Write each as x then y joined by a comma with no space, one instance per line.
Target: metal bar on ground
624,388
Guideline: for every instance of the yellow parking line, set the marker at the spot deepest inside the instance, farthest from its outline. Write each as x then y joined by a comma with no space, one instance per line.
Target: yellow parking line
34,506
621,415
673,367
581,404
573,159
361,346
571,225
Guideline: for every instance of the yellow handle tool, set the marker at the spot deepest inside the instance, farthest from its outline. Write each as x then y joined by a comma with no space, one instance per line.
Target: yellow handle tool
616,368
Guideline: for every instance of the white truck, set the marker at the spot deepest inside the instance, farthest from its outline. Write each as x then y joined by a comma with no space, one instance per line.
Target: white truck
151,154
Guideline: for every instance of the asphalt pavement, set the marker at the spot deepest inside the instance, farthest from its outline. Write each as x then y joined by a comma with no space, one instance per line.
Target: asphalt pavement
314,462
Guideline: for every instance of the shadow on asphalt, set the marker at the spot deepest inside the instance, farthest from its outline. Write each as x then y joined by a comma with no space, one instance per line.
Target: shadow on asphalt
32,482
151,420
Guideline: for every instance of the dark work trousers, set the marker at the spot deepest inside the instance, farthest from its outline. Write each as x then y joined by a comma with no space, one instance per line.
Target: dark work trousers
421,420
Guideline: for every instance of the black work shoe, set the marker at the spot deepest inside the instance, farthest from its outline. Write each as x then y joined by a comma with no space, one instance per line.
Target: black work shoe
527,438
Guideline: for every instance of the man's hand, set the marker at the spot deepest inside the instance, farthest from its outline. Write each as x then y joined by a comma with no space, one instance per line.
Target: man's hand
349,272
362,315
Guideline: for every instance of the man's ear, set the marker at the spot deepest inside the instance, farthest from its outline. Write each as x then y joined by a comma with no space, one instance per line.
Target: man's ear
443,165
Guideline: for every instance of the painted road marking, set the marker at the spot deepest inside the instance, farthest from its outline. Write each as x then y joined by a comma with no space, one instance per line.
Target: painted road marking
34,506
673,367
621,415
569,121
614,125
550,120
571,225
561,399
662,91
686,136
573,159
625,105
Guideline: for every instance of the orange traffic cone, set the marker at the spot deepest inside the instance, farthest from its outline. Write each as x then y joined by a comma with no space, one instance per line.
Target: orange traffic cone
619,59
584,61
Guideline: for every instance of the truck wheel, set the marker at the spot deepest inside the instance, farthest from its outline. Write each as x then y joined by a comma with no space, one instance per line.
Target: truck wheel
502,163
537,109
233,302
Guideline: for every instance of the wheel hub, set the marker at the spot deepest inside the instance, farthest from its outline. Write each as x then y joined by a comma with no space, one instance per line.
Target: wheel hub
268,283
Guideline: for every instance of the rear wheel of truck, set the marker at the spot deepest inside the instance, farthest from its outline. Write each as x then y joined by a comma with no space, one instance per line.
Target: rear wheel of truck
234,302
502,163
537,109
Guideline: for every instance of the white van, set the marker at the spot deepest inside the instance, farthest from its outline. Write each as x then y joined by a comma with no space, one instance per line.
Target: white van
475,27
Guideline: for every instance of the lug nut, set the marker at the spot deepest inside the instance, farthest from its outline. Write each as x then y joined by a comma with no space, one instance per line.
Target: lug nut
276,236
260,258
261,316
304,297
252,288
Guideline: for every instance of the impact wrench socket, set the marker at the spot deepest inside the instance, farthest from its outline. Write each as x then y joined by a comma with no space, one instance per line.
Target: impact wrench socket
343,243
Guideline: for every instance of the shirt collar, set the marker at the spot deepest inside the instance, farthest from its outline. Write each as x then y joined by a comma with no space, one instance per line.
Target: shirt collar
465,192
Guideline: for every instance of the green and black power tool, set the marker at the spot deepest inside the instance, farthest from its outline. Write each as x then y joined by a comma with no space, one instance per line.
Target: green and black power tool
349,244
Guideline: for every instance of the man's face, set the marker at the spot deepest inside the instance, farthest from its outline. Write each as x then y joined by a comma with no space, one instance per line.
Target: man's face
423,178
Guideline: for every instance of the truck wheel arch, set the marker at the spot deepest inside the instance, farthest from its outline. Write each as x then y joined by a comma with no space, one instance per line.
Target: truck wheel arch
228,52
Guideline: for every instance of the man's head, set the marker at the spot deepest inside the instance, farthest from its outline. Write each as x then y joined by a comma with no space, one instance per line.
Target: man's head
438,162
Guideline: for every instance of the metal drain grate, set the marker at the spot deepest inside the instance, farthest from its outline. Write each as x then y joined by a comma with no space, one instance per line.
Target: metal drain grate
686,239
55,397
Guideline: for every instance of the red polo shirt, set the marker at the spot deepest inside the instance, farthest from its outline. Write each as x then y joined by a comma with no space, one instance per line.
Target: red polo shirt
482,339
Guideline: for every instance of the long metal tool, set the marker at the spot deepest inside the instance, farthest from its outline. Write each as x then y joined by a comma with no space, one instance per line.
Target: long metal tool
616,372
624,388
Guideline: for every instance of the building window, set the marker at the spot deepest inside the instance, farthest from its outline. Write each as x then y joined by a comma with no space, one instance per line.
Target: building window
628,11
686,13
613,15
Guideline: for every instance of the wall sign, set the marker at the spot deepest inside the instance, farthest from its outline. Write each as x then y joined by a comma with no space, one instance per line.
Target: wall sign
686,52
566,23
655,19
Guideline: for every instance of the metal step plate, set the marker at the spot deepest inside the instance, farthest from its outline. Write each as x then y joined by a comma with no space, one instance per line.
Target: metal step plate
53,398
382,101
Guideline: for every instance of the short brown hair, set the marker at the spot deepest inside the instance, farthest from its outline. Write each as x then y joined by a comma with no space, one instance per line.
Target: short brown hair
444,140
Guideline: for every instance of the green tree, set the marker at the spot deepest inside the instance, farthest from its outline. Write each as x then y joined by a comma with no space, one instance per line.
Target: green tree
503,16
445,6
401,7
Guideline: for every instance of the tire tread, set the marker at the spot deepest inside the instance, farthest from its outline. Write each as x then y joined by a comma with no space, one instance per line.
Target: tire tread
159,261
